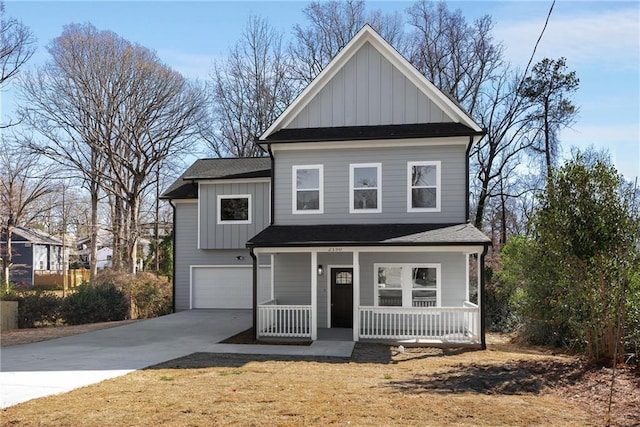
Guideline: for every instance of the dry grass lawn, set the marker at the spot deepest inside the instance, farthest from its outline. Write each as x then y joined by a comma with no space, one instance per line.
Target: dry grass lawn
504,385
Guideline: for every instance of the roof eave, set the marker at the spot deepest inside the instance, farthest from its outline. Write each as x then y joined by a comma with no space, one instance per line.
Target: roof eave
367,244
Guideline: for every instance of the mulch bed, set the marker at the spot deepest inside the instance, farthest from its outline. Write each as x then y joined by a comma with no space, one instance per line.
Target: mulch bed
246,337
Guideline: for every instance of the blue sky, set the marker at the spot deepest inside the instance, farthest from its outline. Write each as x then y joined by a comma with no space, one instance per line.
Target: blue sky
601,41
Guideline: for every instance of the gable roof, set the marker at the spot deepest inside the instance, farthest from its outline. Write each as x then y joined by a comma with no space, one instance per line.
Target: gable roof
450,109
213,169
35,236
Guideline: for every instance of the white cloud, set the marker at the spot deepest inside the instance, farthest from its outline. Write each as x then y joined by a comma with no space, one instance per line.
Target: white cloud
621,141
610,38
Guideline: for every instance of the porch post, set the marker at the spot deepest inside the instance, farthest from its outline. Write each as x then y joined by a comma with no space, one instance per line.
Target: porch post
254,304
466,276
273,274
314,295
481,297
356,295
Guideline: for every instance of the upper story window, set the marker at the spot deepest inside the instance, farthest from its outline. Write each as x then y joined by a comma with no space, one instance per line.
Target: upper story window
308,189
408,285
365,193
234,209
423,189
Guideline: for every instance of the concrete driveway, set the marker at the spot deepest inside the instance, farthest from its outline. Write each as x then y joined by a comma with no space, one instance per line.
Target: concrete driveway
35,370
41,369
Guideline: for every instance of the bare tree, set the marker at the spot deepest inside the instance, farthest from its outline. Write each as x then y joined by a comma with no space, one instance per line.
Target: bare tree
503,114
457,56
17,45
331,25
23,183
248,91
108,110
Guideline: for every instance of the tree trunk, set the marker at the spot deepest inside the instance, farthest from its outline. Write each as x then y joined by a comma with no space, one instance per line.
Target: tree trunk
117,231
7,256
93,258
134,203
547,140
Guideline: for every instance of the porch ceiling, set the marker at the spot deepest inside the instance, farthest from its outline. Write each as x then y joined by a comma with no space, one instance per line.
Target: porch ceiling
369,235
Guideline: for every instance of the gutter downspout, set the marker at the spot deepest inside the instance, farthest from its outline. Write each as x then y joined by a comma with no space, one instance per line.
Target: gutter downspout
483,341
467,178
173,285
272,186
255,293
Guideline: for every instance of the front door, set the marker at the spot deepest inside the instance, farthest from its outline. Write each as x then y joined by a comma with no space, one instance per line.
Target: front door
342,297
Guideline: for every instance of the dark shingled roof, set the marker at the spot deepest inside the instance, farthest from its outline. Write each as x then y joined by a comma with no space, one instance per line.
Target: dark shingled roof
34,236
347,133
212,169
369,235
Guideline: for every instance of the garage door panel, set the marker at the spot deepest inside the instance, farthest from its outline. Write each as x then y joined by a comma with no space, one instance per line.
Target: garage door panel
223,287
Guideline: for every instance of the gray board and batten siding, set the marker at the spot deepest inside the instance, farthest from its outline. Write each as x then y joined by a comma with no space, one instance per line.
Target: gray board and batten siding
368,90
394,184
186,239
232,236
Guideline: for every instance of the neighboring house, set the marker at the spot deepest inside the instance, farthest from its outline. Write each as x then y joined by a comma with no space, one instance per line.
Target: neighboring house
104,257
358,219
33,252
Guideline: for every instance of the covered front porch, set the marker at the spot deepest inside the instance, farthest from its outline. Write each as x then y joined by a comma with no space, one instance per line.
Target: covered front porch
424,292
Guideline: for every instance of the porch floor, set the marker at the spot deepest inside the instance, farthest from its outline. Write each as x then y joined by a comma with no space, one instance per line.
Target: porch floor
335,334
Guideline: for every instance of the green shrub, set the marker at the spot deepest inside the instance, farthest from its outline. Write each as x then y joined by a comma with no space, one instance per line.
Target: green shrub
37,308
149,295
102,303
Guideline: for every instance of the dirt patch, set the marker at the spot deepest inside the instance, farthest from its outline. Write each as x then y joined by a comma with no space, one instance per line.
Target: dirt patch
31,335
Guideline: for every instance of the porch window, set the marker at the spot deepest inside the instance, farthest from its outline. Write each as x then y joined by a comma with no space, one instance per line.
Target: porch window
234,209
408,285
365,193
307,189
423,190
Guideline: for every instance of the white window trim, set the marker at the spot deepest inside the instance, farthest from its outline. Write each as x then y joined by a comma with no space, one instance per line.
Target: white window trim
294,186
378,187
406,285
410,166
221,197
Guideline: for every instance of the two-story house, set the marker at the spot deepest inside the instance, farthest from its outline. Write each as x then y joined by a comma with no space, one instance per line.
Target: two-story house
358,218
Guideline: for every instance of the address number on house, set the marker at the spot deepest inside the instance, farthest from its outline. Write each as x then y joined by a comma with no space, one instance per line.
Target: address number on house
335,249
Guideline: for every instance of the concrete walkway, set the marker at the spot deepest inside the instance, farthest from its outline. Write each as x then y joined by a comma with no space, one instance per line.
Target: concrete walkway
41,369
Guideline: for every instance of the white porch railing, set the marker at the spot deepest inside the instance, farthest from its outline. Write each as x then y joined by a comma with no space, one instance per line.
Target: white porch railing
445,324
441,324
286,321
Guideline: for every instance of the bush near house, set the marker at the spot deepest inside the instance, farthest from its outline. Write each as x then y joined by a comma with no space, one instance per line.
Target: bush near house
35,308
114,296
149,295
91,304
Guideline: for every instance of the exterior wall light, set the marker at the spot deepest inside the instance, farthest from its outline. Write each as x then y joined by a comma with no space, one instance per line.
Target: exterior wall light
239,257
320,270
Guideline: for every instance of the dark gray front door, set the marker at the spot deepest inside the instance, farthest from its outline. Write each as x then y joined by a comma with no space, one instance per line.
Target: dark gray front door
342,297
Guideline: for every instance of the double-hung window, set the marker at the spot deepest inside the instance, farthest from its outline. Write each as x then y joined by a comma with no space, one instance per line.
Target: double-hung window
308,189
234,209
423,189
365,192
408,285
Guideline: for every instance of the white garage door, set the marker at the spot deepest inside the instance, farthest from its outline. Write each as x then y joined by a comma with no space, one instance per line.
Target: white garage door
224,287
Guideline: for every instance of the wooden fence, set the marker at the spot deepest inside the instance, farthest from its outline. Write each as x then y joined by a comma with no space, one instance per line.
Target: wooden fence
52,279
